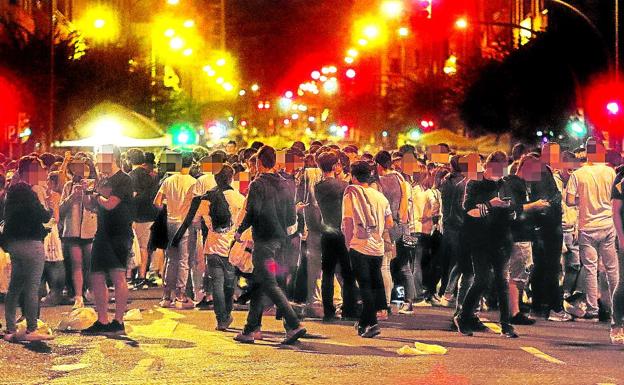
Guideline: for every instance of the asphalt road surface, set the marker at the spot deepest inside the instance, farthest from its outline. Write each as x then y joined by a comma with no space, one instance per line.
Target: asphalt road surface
182,347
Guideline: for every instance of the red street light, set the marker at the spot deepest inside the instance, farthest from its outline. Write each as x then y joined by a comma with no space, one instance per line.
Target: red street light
613,108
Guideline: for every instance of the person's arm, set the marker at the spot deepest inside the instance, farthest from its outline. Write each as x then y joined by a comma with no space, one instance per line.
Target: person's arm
572,191
109,203
66,199
254,202
616,207
160,196
348,225
195,202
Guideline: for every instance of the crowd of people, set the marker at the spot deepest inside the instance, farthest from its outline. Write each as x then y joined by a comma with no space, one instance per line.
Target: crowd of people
319,231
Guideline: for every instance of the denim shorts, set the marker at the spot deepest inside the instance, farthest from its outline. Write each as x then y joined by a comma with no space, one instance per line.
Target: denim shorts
521,262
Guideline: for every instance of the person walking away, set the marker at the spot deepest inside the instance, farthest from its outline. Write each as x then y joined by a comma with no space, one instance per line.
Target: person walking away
366,215
590,189
112,242
144,188
24,217
269,212
54,268
616,333
176,191
329,193
488,220
222,205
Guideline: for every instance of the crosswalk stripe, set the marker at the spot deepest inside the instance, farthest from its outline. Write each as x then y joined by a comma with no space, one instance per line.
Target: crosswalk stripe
493,327
541,355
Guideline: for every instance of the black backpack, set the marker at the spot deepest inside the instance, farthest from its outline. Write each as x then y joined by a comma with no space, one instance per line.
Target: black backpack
220,214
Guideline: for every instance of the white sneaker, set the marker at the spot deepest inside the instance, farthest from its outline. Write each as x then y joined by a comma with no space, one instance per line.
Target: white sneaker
561,316
36,336
166,303
422,303
406,308
184,304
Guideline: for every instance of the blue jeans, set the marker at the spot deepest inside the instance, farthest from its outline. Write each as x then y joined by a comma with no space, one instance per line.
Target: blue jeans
593,245
223,276
410,262
571,263
618,296
264,276
27,261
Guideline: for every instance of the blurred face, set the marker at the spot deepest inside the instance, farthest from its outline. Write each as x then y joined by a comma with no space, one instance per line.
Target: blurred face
531,170
495,170
551,155
471,166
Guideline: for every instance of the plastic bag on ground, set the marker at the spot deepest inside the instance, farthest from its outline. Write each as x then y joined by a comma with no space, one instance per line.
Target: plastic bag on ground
133,315
78,319
42,327
421,349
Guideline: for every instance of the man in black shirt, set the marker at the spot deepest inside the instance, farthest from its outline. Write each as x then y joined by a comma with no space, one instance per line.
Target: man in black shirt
144,187
329,193
112,242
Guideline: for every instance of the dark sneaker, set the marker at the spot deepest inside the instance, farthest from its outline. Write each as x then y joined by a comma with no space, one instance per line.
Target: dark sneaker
204,304
330,318
371,331
462,327
115,328
96,329
244,338
590,316
477,325
141,284
508,331
222,326
293,335
521,319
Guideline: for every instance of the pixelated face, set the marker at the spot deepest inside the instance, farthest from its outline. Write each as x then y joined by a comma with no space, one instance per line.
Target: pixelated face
293,163
280,160
79,168
551,155
495,170
210,165
170,162
241,181
409,164
438,154
35,175
531,170
105,159
470,166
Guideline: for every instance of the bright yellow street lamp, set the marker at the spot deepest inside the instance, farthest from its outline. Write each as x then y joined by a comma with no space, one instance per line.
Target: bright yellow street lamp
173,2
176,43
170,32
403,31
189,23
392,8
352,52
99,23
371,32
255,87
187,52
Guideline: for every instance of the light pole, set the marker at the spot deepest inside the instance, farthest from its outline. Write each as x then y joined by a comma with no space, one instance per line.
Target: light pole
51,74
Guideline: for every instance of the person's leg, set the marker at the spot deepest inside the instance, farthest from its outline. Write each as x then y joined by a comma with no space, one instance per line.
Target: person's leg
173,256
608,255
361,270
100,291
572,264
349,290
481,266
77,270
86,265
329,259
589,260
376,282
142,231
404,268
314,268
499,260
197,264
229,285
386,273
264,255
417,274
216,271
19,270
33,256
553,239
121,293
618,297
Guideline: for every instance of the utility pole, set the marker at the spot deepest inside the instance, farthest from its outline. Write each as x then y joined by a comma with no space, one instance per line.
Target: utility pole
51,85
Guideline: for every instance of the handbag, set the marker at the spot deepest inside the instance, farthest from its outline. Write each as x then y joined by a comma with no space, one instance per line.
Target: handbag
159,237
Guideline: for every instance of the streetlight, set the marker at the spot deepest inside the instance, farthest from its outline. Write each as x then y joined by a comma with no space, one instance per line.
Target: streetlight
403,31
255,87
461,23
173,2
176,43
392,8
352,52
189,23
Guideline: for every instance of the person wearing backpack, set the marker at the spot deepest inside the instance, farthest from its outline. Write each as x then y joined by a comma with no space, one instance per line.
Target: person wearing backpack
218,207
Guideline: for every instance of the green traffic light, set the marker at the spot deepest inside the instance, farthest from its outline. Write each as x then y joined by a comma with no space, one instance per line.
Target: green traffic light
183,134
577,128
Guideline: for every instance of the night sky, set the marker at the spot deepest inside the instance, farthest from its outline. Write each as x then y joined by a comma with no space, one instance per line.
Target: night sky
279,41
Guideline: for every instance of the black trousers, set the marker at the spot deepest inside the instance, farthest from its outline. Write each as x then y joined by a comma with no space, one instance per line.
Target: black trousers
547,294
334,252
367,271
485,257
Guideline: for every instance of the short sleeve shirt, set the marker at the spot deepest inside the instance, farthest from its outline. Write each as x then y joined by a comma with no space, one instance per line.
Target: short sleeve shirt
178,190
373,245
592,184
118,221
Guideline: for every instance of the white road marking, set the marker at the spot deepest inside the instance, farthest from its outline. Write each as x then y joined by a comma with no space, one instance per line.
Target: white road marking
541,355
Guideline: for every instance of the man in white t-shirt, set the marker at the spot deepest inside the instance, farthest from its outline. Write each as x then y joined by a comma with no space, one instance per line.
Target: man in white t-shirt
176,192
589,188
366,214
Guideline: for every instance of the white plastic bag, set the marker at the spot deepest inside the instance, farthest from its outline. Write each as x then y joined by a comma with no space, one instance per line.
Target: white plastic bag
5,271
78,319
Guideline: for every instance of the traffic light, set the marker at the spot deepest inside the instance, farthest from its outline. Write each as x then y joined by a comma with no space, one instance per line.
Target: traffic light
423,8
23,128
577,128
183,134
613,108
